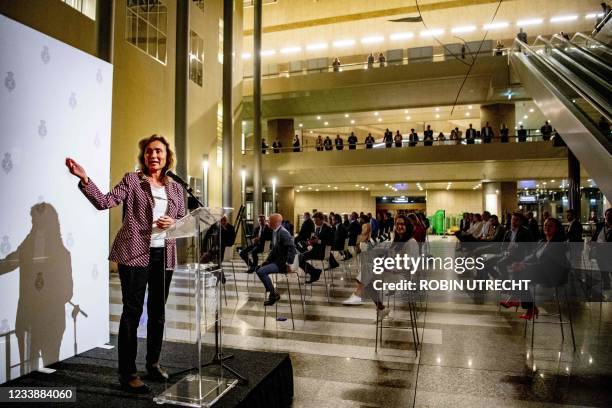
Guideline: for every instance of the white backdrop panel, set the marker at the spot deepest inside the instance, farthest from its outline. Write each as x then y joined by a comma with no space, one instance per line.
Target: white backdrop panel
55,101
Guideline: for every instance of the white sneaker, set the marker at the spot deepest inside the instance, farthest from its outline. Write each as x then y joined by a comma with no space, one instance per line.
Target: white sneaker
353,300
383,314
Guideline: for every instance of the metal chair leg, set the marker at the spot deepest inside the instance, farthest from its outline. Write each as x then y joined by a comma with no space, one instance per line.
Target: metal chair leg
297,275
235,280
325,279
533,317
290,303
560,314
569,314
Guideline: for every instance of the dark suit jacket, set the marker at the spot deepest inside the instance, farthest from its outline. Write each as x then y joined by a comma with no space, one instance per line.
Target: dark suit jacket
523,236
266,235
340,234
470,133
574,231
326,235
354,230
283,253
551,267
228,236
306,230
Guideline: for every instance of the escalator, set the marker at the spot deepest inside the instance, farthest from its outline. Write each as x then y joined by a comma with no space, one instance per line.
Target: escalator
596,48
571,86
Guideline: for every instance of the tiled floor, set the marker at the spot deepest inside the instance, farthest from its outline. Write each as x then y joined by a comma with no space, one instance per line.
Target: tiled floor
472,355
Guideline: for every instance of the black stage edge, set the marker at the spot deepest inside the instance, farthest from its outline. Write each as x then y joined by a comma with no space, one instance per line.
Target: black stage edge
94,374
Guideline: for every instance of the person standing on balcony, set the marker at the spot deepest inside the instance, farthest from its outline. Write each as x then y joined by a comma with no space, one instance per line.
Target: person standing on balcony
522,134
470,135
327,143
413,138
546,130
388,138
369,141
296,143
336,64
487,133
521,36
319,144
339,142
398,139
428,137
276,146
503,133
370,61
381,60
352,141
264,146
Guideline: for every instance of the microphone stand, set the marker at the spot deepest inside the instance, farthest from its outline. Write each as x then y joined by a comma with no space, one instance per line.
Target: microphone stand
219,357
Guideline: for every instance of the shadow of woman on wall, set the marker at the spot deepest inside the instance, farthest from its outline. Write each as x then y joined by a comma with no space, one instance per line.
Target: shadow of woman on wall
45,286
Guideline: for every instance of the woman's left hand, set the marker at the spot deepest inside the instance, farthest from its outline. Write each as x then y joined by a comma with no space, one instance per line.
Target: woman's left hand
165,222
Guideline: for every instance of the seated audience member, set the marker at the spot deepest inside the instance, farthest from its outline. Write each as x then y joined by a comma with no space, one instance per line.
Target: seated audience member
228,234
322,237
305,232
464,224
288,226
352,141
599,248
487,133
514,248
369,141
340,233
574,229
547,265
473,231
339,142
521,134
319,144
504,134
366,231
398,139
413,138
261,234
327,143
419,232
495,232
279,260
532,224
428,137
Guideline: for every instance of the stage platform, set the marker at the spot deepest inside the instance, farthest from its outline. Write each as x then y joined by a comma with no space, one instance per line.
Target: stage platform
94,374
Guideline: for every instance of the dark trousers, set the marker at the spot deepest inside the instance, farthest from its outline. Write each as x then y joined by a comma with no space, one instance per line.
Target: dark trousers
263,275
254,250
134,281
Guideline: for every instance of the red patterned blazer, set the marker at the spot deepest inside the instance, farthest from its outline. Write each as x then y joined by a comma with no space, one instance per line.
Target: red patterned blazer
131,245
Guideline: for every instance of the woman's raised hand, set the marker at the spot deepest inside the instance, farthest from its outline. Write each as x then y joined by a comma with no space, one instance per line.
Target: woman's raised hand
76,170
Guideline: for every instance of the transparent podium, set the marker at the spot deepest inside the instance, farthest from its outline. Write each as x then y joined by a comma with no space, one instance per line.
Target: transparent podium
195,308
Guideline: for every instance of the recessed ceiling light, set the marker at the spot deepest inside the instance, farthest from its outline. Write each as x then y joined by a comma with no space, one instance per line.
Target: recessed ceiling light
246,55
405,110
380,119
467,113
407,117
525,117
531,110
326,123
559,19
310,131
328,186
317,189
463,29
290,50
343,43
318,118
401,36
266,53
431,33
495,26
316,46
375,113
346,115
520,123
437,116
335,188
470,107
437,109
372,40
529,22
352,122
301,125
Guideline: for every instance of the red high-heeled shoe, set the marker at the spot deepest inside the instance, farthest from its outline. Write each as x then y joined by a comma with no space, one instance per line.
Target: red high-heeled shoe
510,303
531,313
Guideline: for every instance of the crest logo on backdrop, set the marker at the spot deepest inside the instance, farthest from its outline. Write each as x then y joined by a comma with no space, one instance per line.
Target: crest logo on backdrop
9,81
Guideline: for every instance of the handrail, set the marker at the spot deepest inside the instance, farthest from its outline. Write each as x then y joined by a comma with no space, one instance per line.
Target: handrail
588,39
584,53
364,64
556,70
602,23
407,144
549,47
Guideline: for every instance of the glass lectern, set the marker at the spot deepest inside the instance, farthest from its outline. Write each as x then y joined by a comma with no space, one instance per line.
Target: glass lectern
194,307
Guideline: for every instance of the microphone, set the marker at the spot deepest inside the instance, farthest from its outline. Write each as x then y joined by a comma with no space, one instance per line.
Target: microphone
177,178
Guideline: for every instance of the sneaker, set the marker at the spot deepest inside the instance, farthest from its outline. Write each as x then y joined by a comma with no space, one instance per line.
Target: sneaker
353,300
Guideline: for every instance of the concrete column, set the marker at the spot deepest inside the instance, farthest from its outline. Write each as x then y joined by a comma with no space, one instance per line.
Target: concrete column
104,30
228,114
497,114
285,203
257,23
181,80
283,130
499,198
573,175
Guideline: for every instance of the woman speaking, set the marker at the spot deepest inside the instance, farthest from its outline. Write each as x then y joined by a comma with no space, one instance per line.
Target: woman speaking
151,204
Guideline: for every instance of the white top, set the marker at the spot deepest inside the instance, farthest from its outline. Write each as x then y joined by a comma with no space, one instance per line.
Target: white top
602,235
161,205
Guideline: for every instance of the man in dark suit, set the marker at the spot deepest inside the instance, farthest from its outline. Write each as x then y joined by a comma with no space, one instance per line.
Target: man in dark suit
413,138
281,257
352,141
339,142
340,233
574,230
323,236
522,134
532,225
306,230
428,136
261,234
470,135
353,231
487,133
546,131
